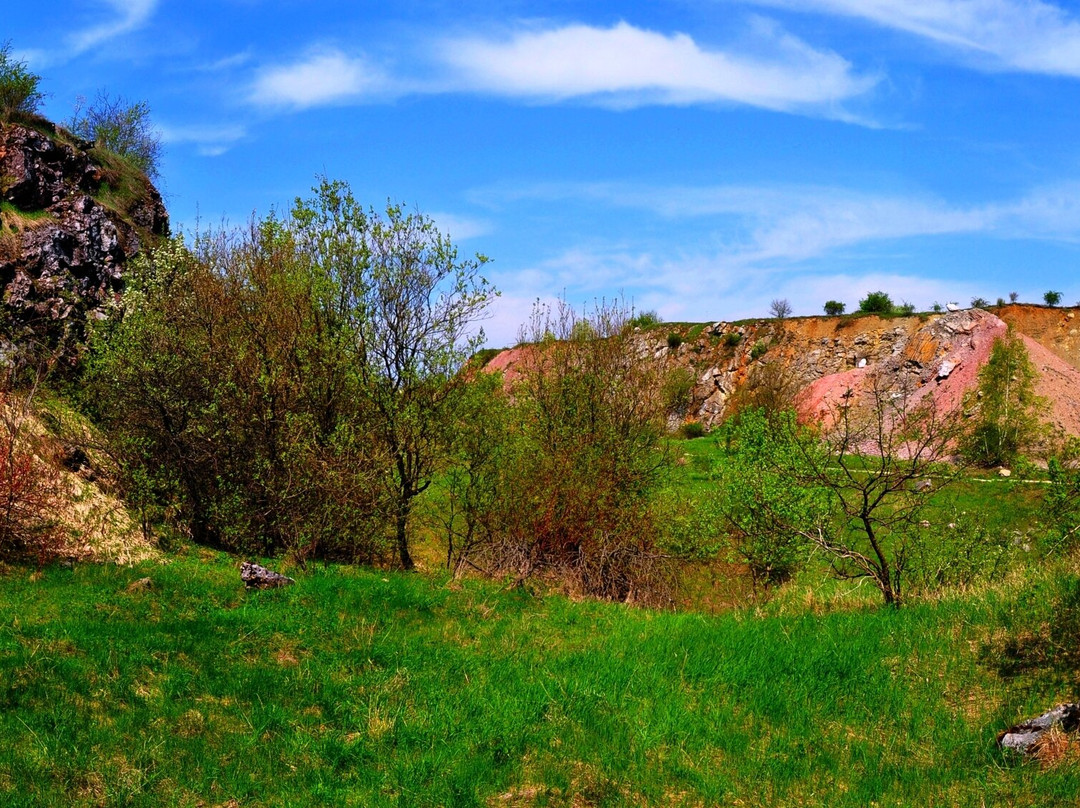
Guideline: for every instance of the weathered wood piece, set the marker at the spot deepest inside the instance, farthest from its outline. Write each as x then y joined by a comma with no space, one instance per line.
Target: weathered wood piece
257,577
1022,737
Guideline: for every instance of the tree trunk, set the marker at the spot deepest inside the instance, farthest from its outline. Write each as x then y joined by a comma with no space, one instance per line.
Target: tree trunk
404,503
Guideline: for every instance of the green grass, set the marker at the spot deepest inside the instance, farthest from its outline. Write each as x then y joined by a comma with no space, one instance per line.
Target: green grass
362,688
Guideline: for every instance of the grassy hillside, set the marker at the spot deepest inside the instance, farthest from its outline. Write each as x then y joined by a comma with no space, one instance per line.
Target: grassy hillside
366,688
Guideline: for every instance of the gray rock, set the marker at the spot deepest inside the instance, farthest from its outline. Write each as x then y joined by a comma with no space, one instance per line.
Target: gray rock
255,576
1022,737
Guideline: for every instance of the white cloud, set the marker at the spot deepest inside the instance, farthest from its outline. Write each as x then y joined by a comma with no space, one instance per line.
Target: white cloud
211,140
325,76
1026,35
461,228
130,15
782,237
619,67
625,66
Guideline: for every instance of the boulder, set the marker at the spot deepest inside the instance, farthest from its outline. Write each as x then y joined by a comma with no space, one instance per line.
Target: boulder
255,576
1024,736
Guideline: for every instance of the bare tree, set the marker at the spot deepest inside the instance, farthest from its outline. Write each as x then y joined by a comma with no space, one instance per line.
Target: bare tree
780,308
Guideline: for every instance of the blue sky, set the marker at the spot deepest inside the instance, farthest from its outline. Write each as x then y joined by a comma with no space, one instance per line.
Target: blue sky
701,157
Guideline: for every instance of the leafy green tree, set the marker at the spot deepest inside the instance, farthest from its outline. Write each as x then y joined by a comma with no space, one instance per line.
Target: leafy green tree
834,308
1006,423
19,92
876,303
121,127
848,490
406,303
1052,298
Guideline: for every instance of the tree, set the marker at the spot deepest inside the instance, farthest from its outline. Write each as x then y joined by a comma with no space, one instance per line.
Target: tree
120,127
1014,296
19,92
1052,298
980,303
1006,422
406,303
780,309
849,489
876,303
834,308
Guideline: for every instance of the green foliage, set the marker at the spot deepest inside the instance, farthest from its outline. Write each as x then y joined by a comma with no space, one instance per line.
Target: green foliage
565,479
759,495
1006,422
761,347
692,430
646,320
958,549
1052,298
674,340
834,308
19,94
980,303
1062,503
876,303
123,128
732,338
906,309
290,387
677,389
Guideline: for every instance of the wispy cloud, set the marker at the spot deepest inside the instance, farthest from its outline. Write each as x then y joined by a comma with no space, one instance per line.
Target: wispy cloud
128,15
461,228
324,76
768,242
211,140
625,66
620,67
1025,35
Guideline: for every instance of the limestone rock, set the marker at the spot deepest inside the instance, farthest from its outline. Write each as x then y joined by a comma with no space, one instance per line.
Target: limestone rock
255,576
1022,737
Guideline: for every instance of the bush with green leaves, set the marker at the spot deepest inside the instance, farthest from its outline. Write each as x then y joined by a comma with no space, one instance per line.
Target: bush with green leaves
834,308
674,340
1006,421
1052,298
876,303
291,387
646,320
19,93
121,127
906,309
732,338
566,487
761,347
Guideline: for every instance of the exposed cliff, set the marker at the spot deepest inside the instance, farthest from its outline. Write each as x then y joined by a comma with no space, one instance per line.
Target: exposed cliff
820,359
71,217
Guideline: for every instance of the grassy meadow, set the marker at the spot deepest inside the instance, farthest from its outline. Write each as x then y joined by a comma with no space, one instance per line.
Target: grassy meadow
358,687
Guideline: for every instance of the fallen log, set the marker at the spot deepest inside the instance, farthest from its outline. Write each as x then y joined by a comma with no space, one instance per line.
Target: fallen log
1024,736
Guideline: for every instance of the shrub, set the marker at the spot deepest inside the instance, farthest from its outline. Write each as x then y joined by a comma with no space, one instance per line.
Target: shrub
980,303
677,389
876,303
692,429
565,488
122,128
19,92
674,340
834,308
646,320
1052,298
906,309
760,348
732,338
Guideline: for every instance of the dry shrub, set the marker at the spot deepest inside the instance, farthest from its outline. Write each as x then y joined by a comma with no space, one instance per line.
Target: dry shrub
1055,747
30,483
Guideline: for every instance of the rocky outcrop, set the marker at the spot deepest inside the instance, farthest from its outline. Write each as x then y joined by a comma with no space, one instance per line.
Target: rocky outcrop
820,359
71,219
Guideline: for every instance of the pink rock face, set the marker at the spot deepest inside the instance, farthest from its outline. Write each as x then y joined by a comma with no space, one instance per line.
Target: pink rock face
942,359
